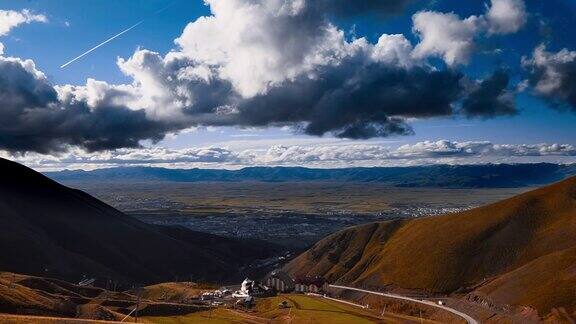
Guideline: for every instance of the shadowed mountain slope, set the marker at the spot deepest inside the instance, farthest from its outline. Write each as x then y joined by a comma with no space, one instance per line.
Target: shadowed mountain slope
522,249
51,230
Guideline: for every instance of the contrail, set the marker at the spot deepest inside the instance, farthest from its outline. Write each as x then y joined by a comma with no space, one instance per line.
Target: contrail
103,43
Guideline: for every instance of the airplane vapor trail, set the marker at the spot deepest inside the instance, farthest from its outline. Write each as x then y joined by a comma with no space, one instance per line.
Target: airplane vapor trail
101,44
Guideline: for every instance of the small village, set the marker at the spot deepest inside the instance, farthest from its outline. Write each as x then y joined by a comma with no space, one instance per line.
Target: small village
277,282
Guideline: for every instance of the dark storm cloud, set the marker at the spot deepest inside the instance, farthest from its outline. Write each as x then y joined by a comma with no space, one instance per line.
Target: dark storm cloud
491,98
382,129
109,127
33,119
355,101
346,8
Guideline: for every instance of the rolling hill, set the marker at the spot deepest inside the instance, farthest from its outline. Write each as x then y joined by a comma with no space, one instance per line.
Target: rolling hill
451,176
51,230
519,251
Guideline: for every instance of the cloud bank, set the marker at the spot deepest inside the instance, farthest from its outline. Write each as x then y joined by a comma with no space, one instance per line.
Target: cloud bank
256,63
325,156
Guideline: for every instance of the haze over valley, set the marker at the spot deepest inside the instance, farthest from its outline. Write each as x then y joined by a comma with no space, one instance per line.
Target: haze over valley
295,214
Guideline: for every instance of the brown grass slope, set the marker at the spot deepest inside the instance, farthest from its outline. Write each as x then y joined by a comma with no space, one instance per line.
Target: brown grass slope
16,296
51,230
37,296
528,237
545,283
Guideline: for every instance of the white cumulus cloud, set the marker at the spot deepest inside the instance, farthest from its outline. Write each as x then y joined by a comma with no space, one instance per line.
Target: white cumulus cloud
452,38
506,16
445,35
552,75
10,19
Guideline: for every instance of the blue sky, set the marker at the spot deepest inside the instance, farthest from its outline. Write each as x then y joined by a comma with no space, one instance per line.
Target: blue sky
75,26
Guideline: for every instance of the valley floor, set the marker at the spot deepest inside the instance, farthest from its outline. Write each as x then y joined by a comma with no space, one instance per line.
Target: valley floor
295,215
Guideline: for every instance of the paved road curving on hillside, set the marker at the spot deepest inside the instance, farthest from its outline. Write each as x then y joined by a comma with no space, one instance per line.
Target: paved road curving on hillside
466,317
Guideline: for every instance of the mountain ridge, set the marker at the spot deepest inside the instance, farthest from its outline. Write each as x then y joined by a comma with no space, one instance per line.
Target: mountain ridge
461,176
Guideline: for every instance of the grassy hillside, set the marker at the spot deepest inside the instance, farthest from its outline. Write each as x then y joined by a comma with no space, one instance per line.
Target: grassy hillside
302,309
526,238
177,292
51,230
544,283
48,297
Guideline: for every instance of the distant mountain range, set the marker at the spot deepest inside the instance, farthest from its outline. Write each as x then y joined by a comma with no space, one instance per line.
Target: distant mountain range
457,176
50,230
520,251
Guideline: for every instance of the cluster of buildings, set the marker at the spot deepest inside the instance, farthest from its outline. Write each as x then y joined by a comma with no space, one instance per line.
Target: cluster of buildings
251,288
280,281
275,282
216,294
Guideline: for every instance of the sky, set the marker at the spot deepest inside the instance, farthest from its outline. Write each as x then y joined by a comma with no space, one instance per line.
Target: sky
234,83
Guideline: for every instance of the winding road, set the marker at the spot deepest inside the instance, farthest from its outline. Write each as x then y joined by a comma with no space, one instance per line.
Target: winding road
466,317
